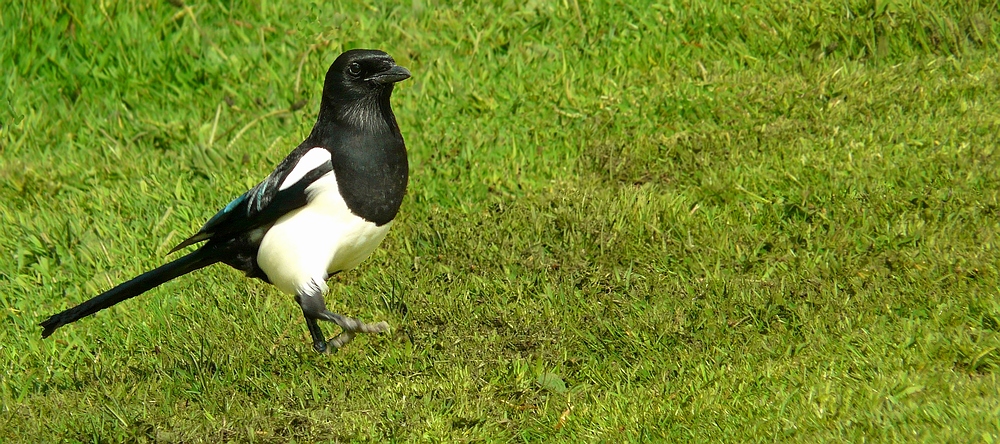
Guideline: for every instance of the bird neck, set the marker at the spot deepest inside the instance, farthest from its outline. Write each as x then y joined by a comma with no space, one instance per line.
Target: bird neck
370,114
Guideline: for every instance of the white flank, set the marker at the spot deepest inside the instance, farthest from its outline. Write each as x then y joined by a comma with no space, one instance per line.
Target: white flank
308,244
310,161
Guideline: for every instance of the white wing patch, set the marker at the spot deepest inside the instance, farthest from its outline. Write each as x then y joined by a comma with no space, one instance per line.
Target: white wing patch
310,161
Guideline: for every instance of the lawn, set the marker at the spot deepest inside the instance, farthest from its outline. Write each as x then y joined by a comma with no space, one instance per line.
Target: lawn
679,221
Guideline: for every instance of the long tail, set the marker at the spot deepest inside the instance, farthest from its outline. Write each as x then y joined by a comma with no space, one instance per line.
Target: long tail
140,284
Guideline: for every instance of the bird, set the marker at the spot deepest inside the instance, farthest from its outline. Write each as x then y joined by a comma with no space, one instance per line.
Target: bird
323,210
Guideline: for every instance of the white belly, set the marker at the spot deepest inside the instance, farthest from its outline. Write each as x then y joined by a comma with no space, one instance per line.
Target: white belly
305,246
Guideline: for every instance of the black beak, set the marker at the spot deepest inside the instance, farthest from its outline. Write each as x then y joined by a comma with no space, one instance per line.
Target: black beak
392,75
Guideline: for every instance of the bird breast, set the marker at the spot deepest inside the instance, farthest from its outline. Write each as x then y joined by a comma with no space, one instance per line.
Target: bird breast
309,244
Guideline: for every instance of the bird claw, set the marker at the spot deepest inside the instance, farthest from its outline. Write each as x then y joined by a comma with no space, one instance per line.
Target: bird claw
377,327
342,339
348,335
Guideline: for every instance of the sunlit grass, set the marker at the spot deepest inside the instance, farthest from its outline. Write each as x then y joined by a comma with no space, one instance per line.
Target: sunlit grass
774,221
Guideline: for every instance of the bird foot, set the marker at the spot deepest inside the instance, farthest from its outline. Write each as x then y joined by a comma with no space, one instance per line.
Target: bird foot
348,335
319,346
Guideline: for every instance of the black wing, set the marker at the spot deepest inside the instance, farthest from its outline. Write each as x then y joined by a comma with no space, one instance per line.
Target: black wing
266,202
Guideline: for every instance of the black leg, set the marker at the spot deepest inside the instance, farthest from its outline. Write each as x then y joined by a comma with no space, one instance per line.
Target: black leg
319,341
314,307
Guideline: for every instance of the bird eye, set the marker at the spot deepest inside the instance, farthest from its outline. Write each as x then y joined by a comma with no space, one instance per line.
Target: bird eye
354,69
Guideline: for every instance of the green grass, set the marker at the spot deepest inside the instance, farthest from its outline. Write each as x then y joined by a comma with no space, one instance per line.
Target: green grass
682,221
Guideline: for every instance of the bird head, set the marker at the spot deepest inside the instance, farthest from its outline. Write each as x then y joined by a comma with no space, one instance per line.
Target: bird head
362,73
357,88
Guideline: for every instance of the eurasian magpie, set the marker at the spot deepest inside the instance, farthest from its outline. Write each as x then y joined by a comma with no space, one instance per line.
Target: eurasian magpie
323,210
